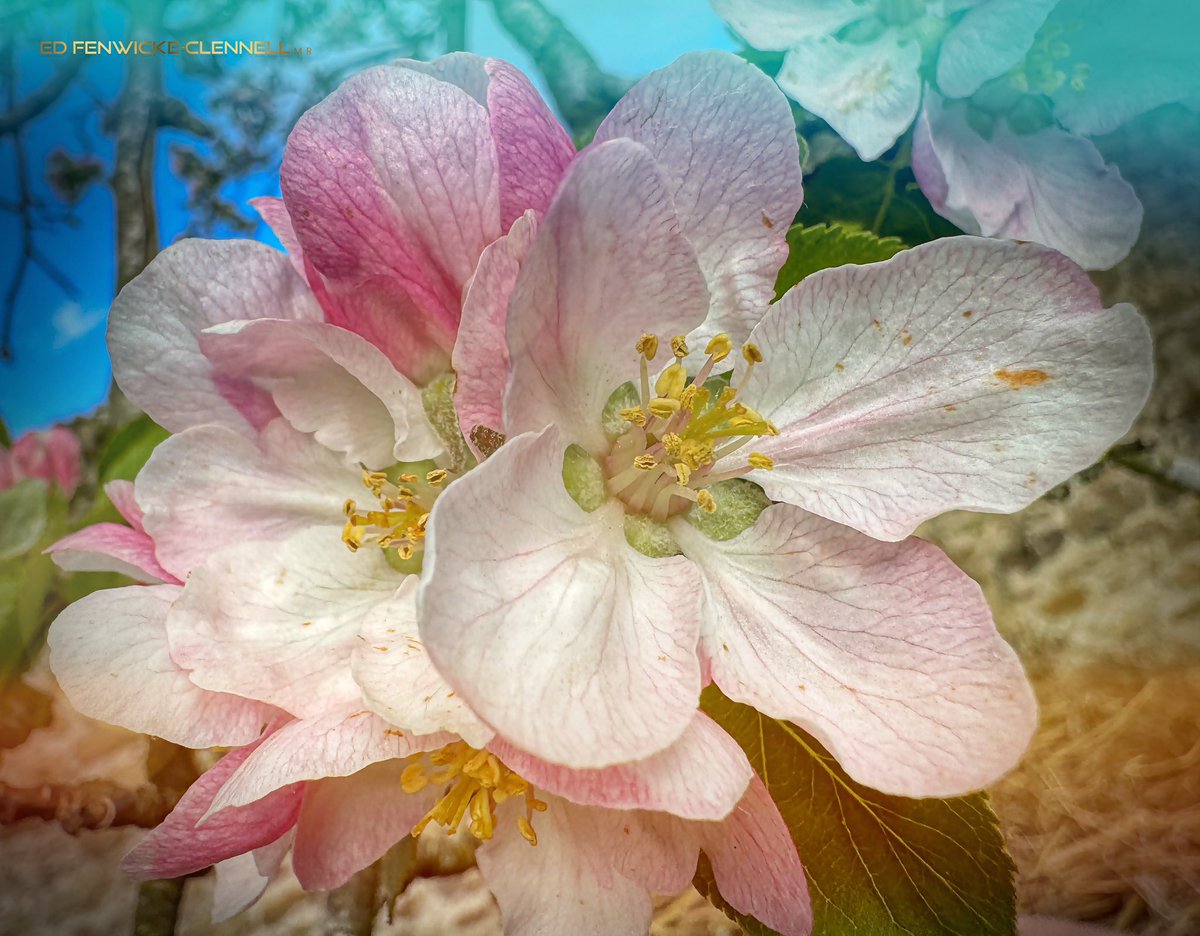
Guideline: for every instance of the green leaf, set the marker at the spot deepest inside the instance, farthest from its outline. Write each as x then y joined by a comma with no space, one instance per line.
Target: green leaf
877,865
129,448
830,245
22,517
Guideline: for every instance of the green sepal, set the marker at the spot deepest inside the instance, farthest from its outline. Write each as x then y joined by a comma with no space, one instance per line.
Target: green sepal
739,502
830,245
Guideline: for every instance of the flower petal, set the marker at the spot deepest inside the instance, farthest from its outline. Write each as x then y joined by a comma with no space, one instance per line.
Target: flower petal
209,488
774,25
275,213
954,375
725,140
109,653
392,186
397,678
337,743
179,846
120,492
529,606
988,41
279,625
868,92
703,775
1051,186
332,383
480,357
241,880
349,822
111,547
886,652
609,263
755,864
155,322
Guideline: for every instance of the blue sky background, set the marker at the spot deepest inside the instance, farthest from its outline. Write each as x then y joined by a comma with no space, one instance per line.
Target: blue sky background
61,365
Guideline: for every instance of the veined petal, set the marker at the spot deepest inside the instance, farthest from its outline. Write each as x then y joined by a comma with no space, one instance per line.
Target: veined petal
609,263
337,743
346,823
392,186
156,320
109,653
111,547
989,40
886,652
1051,186
274,212
776,24
399,682
964,373
280,624
530,606
209,488
703,775
241,880
330,382
178,845
725,141
480,357
868,92
120,492
755,864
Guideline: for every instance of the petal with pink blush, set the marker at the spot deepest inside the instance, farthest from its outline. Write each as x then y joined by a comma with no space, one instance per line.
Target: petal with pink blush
337,743
209,488
111,547
329,382
346,823
609,263
965,373
703,775
756,867
51,456
397,678
178,845
120,493
280,624
1051,187
724,139
109,653
886,652
392,186
480,357
273,211
155,322
531,606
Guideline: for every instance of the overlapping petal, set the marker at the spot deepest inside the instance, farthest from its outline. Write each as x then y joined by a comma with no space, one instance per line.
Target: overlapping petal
777,24
111,547
990,39
964,373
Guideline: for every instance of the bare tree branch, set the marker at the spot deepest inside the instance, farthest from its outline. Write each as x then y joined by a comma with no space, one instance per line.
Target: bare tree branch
50,91
172,112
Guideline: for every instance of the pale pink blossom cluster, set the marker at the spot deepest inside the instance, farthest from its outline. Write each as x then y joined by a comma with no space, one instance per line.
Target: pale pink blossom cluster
52,456
490,601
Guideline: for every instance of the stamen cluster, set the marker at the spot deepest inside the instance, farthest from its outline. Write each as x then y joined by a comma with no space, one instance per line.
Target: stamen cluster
399,522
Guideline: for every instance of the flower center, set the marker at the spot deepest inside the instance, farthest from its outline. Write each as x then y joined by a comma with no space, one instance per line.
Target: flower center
668,457
478,783
398,521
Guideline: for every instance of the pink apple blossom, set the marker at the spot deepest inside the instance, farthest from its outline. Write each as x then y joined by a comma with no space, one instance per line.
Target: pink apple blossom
48,456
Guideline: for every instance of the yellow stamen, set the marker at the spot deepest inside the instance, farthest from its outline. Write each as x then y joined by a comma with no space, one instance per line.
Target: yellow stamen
663,407
437,476
647,346
634,414
706,501
751,353
757,460
671,382
719,346
645,462
679,347
682,472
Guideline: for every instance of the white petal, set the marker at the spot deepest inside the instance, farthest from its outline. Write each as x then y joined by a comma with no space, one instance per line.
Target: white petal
776,24
988,41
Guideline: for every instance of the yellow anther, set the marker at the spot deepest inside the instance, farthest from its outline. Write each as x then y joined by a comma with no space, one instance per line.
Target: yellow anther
679,347
757,460
647,346
663,407
349,507
526,829
672,443
706,501
405,552
634,414
751,353
407,478
671,382
413,779
437,476
719,346
422,521
645,462
682,472
726,396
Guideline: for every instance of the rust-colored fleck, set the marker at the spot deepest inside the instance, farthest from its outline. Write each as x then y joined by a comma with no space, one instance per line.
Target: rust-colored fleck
968,313
767,222
878,325
906,339
1020,379
840,366
950,407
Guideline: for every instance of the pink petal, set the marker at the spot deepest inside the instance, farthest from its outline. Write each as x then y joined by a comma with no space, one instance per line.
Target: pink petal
280,624
397,678
724,139
886,652
756,867
347,823
121,494
331,383
275,213
609,263
155,321
952,376
480,359
178,846
392,186
529,606
701,776
50,456
109,653
209,488
1051,186
337,743
111,547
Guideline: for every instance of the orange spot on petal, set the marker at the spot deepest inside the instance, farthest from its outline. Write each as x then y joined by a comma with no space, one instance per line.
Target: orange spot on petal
1018,380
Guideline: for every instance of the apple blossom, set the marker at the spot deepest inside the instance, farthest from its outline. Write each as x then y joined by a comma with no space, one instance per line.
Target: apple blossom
49,456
